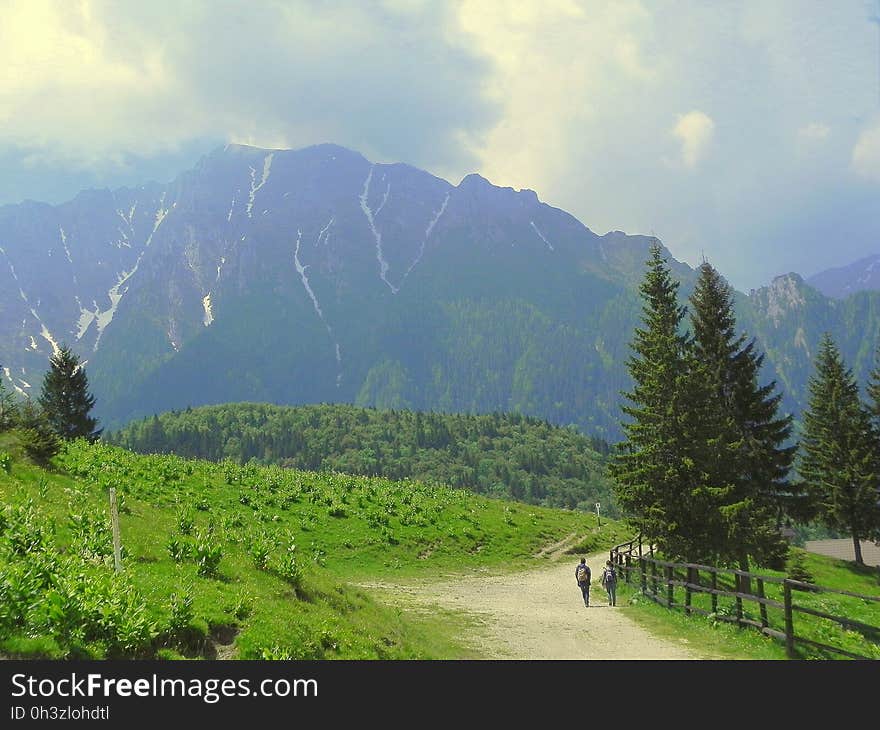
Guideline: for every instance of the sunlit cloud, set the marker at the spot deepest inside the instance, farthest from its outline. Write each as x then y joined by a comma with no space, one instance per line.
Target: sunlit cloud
866,153
694,130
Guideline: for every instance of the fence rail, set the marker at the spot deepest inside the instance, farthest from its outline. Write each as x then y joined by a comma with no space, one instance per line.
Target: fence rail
658,580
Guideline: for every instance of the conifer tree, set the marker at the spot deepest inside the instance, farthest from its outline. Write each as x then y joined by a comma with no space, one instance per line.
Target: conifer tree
741,436
8,410
838,459
874,395
65,398
651,468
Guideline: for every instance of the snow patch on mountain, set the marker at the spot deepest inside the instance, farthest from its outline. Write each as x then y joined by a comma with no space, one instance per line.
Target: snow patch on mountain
209,313
431,224
267,166
15,385
46,335
116,292
541,235
324,232
301,270
383,264
85,319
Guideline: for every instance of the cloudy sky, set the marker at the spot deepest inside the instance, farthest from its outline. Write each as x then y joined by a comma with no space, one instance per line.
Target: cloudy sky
747,132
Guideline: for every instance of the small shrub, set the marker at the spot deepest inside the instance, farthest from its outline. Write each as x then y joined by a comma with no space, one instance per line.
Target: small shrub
208,554
260,547
185,520
181,614
289,569
179,549
797,568
5,462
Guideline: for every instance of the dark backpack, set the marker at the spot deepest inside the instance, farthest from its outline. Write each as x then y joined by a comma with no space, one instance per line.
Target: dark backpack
583,574
610,577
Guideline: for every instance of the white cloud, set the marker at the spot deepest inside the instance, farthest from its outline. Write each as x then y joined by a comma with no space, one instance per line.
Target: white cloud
866,153
695,130
94,81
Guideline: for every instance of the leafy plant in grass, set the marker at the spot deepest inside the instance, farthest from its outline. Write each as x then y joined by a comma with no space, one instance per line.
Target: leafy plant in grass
185,520
5,462
289,569
208,553
179,549
91,533
797,567
260,547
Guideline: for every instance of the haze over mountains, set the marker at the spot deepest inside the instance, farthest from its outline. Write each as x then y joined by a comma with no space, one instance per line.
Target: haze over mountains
840,282
315,275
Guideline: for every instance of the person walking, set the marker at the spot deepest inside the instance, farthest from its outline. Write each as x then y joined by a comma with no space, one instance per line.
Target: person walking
582,575
609,581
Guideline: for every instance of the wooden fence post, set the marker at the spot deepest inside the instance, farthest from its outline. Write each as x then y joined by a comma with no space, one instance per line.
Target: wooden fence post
764,622
789,621
739,601
714,595
653,577
687,591
626,571
644,571
114,523
669,587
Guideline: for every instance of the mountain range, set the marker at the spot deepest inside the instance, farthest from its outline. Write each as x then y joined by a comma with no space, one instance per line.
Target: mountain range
315,275
840,282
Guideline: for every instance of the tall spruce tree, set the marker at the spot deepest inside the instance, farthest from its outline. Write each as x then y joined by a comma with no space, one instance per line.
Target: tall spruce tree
740,435
838,458
652,469
65,398
8,410
874,395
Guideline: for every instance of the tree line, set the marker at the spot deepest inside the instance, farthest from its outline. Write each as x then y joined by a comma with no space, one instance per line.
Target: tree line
709,468
503,455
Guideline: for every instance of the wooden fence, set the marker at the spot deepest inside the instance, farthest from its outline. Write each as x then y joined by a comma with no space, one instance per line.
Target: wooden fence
659,579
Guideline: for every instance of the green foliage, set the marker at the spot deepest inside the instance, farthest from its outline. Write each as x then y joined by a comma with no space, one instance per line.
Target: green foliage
8,409
208,553
288,568
66,596
36,435
653,468
796,567
5,462
302,600
185,520
65,398
704,468
840,459
739,441
508,456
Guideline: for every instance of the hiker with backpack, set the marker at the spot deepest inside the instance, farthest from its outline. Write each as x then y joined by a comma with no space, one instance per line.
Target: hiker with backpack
609,581
583,576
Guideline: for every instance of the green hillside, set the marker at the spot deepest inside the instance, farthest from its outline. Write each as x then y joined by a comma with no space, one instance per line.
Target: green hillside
501,455
222,559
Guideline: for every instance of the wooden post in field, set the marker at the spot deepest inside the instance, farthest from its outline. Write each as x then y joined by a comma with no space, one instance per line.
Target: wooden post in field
669,587
644,570
714,595
789,621
114,522
687,590
764,622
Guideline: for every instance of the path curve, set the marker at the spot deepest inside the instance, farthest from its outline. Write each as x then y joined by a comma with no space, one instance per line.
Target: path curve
539,614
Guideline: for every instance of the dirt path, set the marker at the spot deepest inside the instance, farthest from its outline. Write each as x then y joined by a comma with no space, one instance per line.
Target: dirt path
539,614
